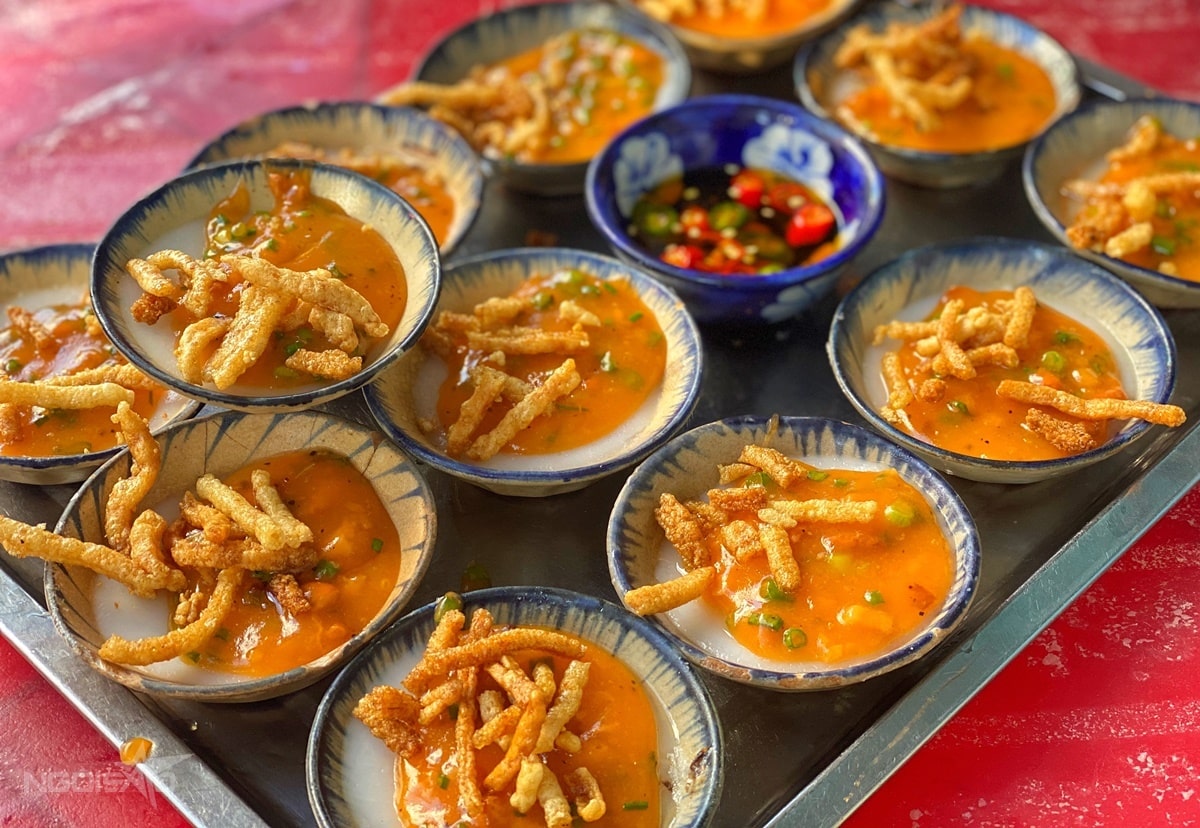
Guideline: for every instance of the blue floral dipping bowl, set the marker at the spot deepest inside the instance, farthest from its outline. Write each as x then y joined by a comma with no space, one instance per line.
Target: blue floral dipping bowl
740,131
823,86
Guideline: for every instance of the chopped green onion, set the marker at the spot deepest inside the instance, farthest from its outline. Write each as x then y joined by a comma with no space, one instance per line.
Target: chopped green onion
543,299
817,475
958,406
194,657
900,513
759,478
376,544
449,601
284,372
765,619
873,596
222,634
325,570
606,363
770,590
1162,245
841,482
1065,337
271,245
292,347
335,270
636,316
1054,361
443,781
12,366
635,805
794,638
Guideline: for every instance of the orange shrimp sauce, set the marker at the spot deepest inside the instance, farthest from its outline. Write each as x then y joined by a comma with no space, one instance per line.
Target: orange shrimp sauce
864,586
780,16
599,82
971,419
615,724
301,232
1176,220
50,432
406,171
360,562
622,366
1021,102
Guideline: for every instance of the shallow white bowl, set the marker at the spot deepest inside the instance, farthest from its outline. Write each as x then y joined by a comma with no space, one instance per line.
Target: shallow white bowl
349,771
366,128
80,601
406,393
750,55
1075,148
638,553
822,87
510,31
909,287
173,216
58,274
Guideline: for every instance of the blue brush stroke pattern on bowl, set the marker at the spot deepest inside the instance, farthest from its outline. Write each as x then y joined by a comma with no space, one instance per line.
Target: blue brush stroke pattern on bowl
349,771
174,216
745,130
511,31
221,444
368,130
822,86
1135,332
687,468
52,275
1075,148
400,400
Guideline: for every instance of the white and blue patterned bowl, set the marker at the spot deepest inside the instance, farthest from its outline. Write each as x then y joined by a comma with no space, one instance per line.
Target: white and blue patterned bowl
751,55
822,86
687,468
406,394
909,287
52,275
511,31
174,216
81,603
1075,148
349,771
366,128
754,132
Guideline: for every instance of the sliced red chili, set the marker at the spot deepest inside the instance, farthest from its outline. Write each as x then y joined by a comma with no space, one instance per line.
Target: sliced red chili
810,225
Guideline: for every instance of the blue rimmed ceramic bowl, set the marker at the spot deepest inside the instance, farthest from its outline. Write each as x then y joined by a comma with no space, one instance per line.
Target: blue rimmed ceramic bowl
58,275
752,54
406,394
747,131
406,135
638,554
86,608
822,86
349,771
510,31
174,216
909,287
1074,148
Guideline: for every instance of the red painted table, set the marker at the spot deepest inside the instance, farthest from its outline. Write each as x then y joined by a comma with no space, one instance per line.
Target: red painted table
1092,724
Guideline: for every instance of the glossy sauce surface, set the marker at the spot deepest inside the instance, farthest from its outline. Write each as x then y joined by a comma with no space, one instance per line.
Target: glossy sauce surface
615,723
621,367
972,419
79,344
359,563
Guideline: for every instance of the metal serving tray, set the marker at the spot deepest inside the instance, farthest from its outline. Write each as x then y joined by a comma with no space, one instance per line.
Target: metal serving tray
229,766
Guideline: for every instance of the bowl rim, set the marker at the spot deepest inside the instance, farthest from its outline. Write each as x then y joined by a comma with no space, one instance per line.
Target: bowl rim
807,54
1033,191
103,258
590,471
875,195
72,251
954,249
463,152
668,45
662,645
259,687
967,555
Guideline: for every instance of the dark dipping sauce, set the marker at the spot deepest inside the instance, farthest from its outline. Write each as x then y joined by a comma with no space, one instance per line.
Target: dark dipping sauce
734,220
